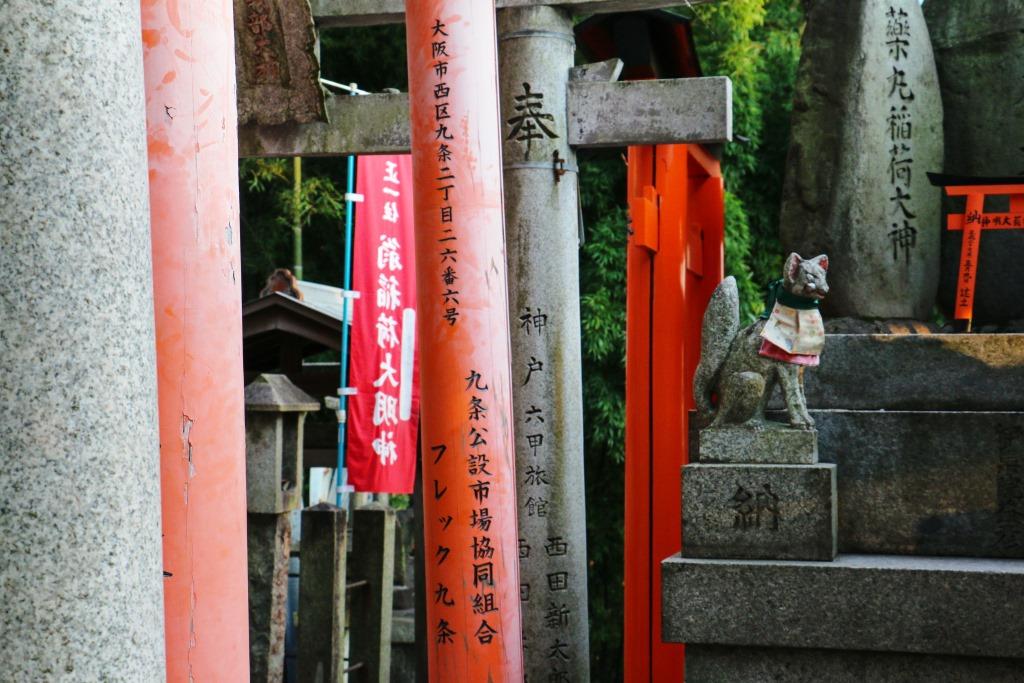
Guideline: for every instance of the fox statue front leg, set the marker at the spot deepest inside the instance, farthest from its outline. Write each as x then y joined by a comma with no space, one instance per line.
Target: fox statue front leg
793,393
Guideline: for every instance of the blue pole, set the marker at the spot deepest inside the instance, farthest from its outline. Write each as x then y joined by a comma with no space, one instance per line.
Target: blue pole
341,474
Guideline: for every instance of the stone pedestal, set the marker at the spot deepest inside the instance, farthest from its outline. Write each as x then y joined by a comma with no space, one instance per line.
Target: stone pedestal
760,511
758,492
924,432
719,663
887,603
776,443
80,577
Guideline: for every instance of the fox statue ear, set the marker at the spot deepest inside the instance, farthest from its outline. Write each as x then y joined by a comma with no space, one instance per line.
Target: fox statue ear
821,261
793,262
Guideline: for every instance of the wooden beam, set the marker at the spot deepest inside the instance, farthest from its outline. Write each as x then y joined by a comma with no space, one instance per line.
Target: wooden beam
334,13
600,115
364,124
650,112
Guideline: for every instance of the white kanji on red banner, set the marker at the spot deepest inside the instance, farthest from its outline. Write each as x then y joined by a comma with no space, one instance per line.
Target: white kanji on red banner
383,416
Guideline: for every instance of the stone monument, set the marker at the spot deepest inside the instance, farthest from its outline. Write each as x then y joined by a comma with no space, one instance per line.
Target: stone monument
277,64
979,53
866,126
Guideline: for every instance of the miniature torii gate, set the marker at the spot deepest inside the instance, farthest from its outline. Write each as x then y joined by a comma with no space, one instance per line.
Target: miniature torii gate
973,221
548,110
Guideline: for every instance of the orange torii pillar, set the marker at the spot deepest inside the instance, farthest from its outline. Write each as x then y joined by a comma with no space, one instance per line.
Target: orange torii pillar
675,258
193,175
469,498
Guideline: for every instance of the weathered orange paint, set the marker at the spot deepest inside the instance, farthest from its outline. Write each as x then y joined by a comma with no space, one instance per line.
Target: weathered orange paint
670,279
477,342
193,172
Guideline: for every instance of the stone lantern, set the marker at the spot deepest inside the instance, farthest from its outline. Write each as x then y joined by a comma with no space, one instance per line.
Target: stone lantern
275,410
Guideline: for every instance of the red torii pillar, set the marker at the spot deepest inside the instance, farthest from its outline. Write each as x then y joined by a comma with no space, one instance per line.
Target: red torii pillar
193,175
469,499
675,259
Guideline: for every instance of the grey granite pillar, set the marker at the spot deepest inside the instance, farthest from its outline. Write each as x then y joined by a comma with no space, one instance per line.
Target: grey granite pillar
535,50
80,577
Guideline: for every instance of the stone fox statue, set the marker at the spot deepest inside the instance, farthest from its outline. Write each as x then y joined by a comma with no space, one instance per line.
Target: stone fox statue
742,366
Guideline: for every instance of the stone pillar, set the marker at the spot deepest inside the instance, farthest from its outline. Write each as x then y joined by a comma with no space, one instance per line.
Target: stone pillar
979,53
372,571
867,126
322,595
270,538
535,49
80,508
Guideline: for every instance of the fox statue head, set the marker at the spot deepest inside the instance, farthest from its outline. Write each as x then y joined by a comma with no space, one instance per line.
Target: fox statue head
806,277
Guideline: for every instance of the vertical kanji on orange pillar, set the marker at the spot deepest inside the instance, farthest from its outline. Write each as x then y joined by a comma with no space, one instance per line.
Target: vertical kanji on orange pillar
471,553
193,175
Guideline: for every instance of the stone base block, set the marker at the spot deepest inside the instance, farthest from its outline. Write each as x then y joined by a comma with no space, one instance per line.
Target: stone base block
773,443
718,663
785,512
926,483
881,603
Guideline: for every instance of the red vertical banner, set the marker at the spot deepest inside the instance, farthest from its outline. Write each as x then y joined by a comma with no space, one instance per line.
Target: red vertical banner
383,416
471,541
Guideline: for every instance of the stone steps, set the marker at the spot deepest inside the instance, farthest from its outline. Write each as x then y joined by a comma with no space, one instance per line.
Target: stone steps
959,372
777,620
927,436
896,603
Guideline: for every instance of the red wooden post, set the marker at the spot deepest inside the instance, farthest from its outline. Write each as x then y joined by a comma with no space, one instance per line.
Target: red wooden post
472,577
193,178
674,261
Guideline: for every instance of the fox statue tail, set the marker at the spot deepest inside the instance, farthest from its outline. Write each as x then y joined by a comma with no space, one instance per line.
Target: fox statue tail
721,325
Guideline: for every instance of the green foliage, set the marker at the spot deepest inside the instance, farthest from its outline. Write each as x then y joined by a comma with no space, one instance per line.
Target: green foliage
603,318
267,210
756,43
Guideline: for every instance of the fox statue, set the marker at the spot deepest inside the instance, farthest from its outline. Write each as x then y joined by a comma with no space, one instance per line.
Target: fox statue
742,367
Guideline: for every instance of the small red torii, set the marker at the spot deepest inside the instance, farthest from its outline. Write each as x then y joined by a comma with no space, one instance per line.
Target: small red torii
973,220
